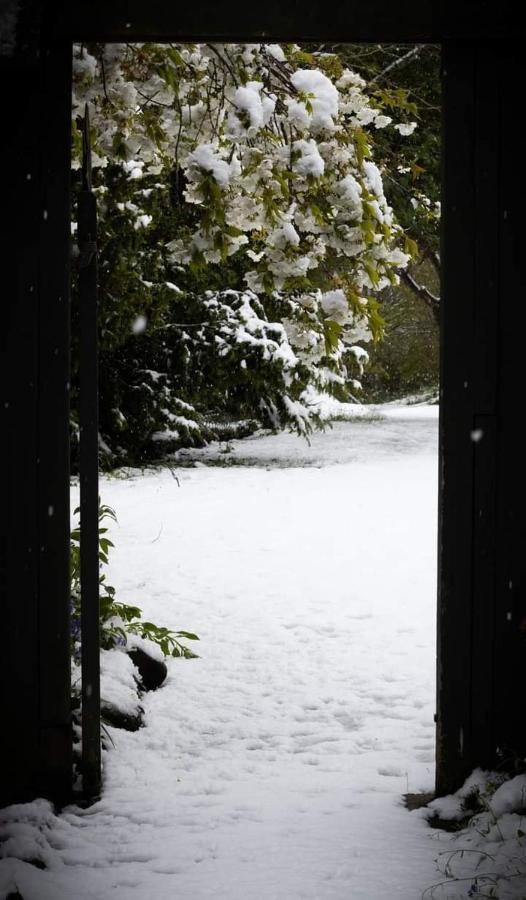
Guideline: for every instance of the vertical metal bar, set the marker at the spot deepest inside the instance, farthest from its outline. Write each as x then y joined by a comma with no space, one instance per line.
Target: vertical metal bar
55,735
89,478
455,593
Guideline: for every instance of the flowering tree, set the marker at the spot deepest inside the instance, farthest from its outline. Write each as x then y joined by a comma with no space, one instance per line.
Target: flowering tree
408,76
247,168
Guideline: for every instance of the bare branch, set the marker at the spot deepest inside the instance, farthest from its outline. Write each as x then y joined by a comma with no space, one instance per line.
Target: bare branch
421,290
402,60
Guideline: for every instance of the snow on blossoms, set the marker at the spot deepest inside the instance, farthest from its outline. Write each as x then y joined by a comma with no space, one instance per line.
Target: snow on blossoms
273,149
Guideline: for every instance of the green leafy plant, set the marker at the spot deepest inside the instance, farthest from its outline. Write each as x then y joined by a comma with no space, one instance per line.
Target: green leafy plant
117,620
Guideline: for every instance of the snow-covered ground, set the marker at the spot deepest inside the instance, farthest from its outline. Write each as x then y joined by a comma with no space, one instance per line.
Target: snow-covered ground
272,767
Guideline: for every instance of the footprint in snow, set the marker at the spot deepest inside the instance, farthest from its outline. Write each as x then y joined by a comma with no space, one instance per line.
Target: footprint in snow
166,870
350,723
425,757
312,741
358,617
391,772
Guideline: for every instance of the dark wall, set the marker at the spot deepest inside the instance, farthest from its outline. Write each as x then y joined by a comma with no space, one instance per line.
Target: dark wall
34,384
274,20
482,551
482,605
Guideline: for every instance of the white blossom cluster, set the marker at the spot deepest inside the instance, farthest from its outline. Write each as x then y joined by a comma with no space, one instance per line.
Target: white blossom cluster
273,148
274,153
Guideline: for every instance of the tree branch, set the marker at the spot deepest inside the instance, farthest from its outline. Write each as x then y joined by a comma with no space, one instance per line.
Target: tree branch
422,291
431,254
402,60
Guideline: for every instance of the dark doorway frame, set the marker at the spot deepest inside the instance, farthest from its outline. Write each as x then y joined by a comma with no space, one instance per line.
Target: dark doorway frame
481,553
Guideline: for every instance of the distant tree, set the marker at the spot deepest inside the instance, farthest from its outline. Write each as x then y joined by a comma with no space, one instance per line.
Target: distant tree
406,360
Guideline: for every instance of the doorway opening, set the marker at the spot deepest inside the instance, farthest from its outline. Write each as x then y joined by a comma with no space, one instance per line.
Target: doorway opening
240,267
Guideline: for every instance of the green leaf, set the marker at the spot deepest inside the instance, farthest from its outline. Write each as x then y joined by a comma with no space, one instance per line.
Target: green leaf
118,146
175,56
361,143
411,247
332,331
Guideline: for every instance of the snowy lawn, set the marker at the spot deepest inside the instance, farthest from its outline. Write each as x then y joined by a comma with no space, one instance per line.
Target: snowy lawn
272,767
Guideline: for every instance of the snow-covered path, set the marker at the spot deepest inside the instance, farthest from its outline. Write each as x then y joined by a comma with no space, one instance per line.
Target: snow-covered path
272,768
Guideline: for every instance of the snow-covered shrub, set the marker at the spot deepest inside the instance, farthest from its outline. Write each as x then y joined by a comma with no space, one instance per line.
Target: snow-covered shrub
231,167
